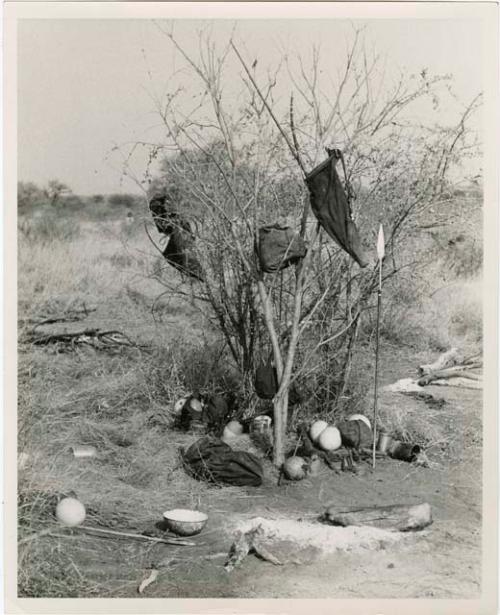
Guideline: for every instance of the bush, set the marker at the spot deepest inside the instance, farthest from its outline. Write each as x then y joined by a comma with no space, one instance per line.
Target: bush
125,201
29,196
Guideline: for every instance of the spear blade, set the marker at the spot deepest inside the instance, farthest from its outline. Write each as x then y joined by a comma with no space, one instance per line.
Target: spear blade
381,243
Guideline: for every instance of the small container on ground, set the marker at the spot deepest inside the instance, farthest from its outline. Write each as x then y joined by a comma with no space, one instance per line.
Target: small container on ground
185,522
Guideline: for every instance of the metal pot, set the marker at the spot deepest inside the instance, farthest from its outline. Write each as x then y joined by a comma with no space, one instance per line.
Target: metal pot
403,450
261,424
384,441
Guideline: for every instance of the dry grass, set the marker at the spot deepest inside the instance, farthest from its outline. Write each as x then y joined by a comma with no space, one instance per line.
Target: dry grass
122,403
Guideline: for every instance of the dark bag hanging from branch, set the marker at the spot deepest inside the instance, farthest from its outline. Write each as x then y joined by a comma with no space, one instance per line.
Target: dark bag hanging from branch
279,247
266,381
331,207
212,460
165,217
177,253
266,385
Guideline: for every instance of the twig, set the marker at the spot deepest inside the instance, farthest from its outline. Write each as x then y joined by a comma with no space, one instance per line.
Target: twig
168,541
295,153
33,536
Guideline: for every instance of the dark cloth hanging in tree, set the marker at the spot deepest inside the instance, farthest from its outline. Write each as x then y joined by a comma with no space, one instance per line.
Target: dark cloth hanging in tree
178,254
279,247
331,207
165,217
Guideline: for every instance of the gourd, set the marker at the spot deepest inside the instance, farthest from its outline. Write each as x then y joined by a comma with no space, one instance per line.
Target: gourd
294,468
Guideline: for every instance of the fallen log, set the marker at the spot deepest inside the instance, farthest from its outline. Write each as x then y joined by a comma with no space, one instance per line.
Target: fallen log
393,518
91,337
452,372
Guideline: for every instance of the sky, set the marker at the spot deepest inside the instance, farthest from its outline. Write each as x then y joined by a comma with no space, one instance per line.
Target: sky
85,86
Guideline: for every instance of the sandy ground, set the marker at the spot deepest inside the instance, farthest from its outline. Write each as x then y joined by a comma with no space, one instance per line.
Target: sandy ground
443,561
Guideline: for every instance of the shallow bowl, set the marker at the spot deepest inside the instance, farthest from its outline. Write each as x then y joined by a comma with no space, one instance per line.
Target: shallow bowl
185,522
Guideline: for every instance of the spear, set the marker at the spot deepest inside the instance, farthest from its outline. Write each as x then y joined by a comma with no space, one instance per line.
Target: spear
380,255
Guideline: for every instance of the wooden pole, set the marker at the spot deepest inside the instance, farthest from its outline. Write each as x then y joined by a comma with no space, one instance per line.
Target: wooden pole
380,254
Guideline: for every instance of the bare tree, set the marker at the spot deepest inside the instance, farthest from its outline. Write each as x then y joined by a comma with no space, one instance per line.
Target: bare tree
232,167
55,190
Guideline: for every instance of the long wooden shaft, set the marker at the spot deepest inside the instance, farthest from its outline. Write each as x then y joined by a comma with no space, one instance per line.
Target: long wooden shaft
375,397
169,541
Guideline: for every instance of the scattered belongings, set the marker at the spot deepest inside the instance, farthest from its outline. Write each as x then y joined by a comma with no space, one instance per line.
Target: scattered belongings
356,440
330,439
384,441
331,206
361,417
70,512
279,247
84,451
295,468
393,518
191,412
216,409
261,425
213,460
404,451
266,381
235,427
266,384
355,434
232,431
316,429
185,522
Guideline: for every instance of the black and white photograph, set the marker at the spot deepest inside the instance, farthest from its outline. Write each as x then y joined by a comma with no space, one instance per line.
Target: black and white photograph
251,330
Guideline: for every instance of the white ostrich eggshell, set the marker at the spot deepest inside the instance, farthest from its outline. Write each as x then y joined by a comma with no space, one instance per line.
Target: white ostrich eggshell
70,512
360,417
236,427
228,435
330,439
179,405
316,429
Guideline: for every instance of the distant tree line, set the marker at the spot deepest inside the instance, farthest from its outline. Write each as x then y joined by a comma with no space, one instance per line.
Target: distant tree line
58,195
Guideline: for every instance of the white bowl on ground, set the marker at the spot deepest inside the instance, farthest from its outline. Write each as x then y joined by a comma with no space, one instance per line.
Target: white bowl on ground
185,522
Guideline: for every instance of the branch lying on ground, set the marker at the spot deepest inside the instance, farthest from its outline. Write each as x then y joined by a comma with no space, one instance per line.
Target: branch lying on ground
91,337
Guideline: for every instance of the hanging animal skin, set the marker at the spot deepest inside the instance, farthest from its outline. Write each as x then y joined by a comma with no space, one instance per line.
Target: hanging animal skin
330,205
